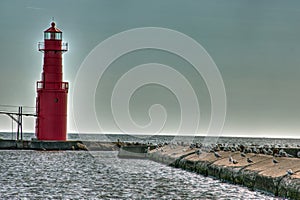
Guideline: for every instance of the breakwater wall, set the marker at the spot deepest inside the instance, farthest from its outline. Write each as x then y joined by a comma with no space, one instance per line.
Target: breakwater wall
135,151
58,145
262,174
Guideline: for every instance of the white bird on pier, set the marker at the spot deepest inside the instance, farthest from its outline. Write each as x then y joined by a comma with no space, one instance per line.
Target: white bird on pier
199,152
289,172
275,161
235,161
230,159
249,160
217,155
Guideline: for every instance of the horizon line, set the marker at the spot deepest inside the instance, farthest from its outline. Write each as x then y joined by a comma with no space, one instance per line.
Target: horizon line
273,136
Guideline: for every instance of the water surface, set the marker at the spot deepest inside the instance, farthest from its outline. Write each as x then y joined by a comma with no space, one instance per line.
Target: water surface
80,175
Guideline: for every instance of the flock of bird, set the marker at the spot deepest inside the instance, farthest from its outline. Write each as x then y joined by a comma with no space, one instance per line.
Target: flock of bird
249,160
238,148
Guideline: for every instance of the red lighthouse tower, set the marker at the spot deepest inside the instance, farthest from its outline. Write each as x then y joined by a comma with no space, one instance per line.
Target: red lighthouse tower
52,92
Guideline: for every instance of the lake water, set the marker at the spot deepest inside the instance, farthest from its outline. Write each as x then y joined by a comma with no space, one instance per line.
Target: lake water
80,175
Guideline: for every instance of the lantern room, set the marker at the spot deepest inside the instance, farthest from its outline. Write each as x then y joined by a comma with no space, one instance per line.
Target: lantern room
52,33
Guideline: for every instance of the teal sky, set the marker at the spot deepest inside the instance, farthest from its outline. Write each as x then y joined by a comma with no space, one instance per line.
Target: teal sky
255,44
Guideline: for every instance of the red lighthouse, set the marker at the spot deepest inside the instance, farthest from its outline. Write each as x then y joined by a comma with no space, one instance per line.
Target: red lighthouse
52,92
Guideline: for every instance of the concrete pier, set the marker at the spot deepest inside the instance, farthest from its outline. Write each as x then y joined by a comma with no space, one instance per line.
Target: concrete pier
135,151
57,145
262,174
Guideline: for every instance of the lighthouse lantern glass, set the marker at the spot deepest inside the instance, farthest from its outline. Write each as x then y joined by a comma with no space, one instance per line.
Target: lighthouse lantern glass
52,36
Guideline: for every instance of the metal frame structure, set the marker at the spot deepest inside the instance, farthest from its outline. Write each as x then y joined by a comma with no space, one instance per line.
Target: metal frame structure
18,118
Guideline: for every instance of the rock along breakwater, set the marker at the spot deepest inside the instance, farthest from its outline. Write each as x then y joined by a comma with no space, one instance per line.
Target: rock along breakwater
256,171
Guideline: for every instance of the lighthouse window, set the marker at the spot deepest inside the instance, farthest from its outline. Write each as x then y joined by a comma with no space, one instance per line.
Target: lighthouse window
58,36
47,36
56,100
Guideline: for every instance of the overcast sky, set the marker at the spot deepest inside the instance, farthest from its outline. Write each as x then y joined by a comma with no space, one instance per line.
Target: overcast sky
255,44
